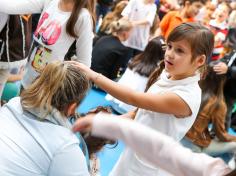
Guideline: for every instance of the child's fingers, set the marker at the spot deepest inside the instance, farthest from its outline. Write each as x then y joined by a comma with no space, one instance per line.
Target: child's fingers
83,124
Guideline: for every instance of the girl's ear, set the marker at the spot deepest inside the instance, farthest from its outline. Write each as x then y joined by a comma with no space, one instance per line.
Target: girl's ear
200,61
71,109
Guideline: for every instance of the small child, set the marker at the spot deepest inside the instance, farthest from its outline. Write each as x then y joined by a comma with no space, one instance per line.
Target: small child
141,13
219,27
173,98
175,18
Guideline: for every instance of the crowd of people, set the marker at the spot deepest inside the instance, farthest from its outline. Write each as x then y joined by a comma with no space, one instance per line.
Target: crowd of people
168,68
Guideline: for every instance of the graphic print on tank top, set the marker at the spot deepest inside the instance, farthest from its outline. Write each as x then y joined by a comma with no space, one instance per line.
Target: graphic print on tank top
48,31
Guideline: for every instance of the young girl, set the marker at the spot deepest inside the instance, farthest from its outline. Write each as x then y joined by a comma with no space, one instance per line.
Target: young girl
141,13
138,71
35,134
109,54
172,102
61,23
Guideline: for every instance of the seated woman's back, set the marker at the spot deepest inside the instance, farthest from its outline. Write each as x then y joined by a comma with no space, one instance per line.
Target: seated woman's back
109,54
35,133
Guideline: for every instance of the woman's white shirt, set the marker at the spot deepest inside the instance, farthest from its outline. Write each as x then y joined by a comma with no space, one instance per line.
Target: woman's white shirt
38,148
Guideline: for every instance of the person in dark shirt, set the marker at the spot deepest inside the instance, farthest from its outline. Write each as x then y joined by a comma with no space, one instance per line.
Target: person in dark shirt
109,54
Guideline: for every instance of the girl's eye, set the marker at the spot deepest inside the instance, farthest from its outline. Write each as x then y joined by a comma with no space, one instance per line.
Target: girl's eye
179,50
169,46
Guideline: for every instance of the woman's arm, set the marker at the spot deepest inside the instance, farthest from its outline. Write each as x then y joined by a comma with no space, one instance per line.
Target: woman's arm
150,101
15,7
161,148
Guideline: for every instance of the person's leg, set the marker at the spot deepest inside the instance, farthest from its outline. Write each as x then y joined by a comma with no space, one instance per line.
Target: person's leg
188,144
4,73
230,102
217,147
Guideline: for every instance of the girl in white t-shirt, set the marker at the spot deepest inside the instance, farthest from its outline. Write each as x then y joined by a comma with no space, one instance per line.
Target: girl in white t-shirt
173,99
62,22
141,13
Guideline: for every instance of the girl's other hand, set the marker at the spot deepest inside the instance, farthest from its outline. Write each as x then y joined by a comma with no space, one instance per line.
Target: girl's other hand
84,124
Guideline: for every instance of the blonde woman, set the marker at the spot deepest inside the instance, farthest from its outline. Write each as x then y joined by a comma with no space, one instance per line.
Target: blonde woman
109,54
35,136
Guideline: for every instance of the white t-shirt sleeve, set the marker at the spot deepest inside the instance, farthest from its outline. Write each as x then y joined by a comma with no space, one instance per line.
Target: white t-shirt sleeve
161,148
69,161
3,20
192,97
151,15
84,42
128,9
22,6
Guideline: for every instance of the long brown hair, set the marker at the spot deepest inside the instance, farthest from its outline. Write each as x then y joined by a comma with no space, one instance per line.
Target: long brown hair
233,173
59,85
200,39
78,6
146,62
212,86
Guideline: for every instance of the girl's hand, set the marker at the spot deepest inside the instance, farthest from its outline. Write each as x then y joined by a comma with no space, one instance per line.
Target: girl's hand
84,124
92,75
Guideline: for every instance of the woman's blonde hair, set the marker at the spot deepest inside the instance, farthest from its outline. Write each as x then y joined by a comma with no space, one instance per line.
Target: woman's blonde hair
120,26
59,85
112,16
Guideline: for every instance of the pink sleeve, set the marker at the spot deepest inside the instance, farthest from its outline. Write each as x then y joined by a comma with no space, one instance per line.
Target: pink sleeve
161,148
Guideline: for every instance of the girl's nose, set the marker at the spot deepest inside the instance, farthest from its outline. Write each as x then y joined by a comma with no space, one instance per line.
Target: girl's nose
169,53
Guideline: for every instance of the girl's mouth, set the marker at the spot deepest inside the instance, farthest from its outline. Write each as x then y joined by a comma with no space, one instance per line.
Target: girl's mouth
168,62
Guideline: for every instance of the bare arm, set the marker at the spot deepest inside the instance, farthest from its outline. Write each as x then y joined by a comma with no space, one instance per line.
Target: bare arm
3,20
22,6
140,22
149,101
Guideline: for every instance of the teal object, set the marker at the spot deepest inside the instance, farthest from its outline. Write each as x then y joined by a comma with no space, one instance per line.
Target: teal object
109,155
234,108
11,90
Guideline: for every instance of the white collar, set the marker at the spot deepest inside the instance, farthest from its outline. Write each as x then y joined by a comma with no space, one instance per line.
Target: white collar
164,80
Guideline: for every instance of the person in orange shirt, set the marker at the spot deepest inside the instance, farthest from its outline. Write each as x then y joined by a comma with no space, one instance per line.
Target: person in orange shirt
174,18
